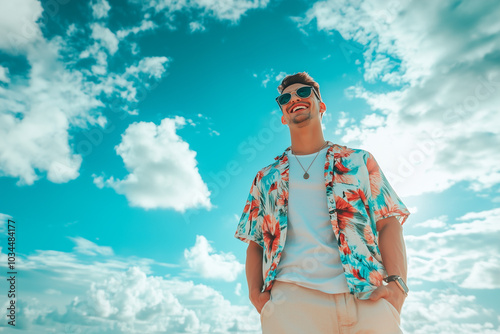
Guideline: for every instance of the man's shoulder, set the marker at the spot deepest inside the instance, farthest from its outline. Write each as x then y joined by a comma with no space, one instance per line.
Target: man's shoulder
347,152
269,169
271,172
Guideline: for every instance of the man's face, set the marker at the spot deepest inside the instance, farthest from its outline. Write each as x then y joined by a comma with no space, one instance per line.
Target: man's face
294,116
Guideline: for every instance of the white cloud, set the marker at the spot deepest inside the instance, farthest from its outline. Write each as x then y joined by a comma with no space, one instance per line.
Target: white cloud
35,117
162,168
280,76
36,112
100,9
105,36
41,108
413,209
133,301
68,270
137,81
343,119
4,219
458,255
438,311
266,80
484,274
231,10
196,26
145,25
153,67
270,76
88,247
440,122
4,74
121,295
18,27
237,289
213,132
372,121
203,259
53,292
439,222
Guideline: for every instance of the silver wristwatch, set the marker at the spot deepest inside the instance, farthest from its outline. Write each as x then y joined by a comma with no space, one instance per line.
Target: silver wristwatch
399,282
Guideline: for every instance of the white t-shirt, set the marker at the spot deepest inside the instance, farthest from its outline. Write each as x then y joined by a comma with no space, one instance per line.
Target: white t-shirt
311,256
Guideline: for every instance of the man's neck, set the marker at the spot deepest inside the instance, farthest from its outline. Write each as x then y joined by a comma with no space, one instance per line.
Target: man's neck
308,141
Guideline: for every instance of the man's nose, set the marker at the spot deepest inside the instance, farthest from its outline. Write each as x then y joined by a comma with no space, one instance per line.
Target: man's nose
295,97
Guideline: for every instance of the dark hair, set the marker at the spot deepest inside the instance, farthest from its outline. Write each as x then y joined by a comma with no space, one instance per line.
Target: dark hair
301,77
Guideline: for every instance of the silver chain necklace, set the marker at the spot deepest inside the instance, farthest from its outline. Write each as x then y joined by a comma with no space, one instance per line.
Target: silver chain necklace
306,175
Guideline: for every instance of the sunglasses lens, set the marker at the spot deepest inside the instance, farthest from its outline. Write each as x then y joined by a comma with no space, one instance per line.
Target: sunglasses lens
284,98
301,92
304,91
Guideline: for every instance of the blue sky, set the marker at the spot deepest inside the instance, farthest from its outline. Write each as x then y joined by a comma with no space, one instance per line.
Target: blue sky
130,133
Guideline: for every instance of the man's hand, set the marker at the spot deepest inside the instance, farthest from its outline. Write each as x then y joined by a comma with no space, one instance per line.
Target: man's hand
393,251
392,293
260,299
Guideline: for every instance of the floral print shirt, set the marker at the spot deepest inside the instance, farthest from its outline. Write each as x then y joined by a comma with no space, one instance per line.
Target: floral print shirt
358,195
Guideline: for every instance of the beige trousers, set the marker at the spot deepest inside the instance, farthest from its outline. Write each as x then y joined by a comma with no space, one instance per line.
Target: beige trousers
296,309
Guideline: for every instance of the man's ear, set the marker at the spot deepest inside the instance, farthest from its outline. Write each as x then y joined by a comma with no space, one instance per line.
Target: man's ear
283,120
322,107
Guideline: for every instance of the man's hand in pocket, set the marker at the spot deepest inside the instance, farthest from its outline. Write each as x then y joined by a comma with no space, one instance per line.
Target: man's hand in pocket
260,299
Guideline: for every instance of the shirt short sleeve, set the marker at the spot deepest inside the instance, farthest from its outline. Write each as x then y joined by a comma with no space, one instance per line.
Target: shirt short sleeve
384,200
250,224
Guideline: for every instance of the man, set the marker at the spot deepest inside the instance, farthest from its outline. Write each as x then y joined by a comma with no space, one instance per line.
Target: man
324,226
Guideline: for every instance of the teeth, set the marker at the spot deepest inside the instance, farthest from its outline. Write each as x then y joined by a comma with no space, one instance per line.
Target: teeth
297,108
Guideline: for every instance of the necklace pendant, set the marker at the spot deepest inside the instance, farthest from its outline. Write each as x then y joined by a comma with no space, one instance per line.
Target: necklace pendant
306,176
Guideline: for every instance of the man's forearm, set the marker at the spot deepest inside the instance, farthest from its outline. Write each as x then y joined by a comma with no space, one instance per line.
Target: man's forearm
253,269
392,248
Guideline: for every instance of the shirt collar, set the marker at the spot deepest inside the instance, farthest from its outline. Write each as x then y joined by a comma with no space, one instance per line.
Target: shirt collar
331,148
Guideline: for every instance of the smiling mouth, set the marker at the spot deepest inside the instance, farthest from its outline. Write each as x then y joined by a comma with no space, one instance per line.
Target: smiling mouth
297,110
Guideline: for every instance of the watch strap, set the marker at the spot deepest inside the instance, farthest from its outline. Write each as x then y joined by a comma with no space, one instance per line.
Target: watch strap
399,282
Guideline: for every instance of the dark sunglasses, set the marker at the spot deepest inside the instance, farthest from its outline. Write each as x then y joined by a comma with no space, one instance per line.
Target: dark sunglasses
303,92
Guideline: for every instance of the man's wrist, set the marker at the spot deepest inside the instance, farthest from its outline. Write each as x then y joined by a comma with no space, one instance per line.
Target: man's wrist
254,294
394,286
397,282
